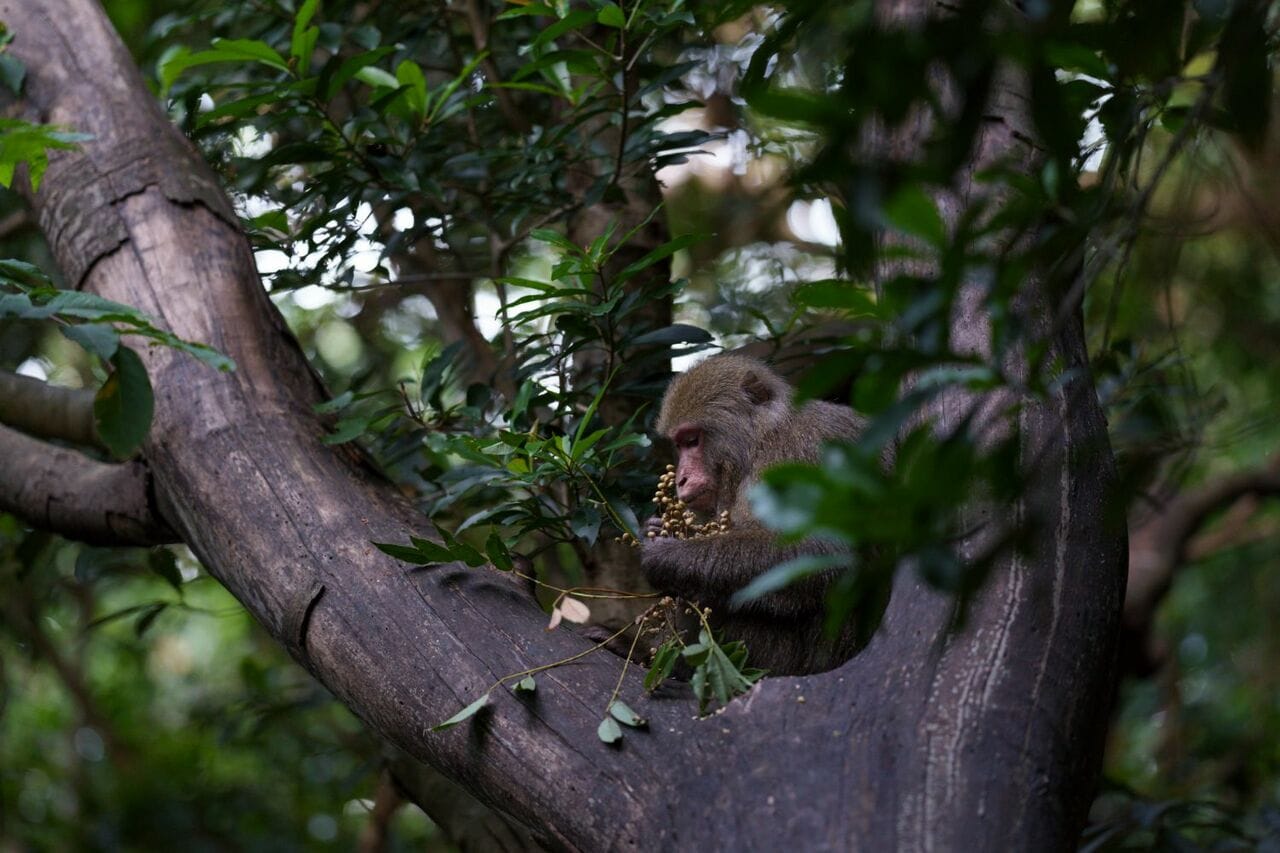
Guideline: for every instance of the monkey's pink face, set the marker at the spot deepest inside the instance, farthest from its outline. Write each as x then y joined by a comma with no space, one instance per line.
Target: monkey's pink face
695,484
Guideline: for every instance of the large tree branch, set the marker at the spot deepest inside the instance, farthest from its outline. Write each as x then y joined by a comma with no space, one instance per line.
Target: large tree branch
61,490
981,738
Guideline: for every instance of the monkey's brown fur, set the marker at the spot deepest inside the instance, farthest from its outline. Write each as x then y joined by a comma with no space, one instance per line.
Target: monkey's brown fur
748,422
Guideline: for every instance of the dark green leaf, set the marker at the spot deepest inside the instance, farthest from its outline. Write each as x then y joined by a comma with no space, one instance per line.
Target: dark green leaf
436,552
407,554
585,523
912,211
663,252
124,404
677,333
786,573
148,617
333,80
164,564
663,664
497,552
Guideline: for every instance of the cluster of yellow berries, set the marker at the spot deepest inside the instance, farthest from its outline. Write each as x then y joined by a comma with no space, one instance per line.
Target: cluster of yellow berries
678,521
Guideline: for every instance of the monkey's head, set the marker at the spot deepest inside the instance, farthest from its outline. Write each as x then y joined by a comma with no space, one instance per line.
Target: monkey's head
713,414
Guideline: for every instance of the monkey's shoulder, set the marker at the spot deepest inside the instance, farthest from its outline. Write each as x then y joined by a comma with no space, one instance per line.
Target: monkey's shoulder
825,421
800,436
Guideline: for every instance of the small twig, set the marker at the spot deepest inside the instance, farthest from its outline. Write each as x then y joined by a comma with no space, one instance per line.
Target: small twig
617,688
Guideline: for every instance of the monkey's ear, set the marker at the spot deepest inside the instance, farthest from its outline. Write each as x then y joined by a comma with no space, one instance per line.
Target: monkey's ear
758,390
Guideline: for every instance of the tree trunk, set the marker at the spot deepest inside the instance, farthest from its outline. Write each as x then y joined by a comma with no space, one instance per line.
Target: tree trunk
984,738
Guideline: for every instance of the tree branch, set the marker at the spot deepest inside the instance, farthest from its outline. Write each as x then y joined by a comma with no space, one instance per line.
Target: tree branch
61,490
45,410
1162,544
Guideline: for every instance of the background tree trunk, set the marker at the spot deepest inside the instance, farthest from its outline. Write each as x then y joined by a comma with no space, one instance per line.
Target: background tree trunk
986,737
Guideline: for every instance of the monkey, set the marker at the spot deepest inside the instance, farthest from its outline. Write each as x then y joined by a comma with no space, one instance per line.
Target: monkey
729,417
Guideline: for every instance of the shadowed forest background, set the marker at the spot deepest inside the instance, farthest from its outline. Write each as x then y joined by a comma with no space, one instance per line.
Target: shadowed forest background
427,186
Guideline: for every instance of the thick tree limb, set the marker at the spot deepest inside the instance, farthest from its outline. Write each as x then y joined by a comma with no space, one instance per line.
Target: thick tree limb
986,738
59,489
38,408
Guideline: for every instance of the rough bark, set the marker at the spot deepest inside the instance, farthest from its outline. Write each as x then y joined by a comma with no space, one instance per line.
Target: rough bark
982,738
59,489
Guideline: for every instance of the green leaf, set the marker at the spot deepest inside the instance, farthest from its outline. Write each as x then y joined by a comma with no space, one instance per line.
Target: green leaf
497,552
408,73
148,617
591,409
532,9
305,13
24,142
302,48
452,546
663,664
434,551
303,43
407,554
786,573
585,523
337,404
124,404
573,21
1074,56
555,238
465,714
177,60
718,672
12,72
330,84
98,338
622,712
628,516
442,98
677,333
250,50
611,16
526,685
376,77
347,429
608,731
835,294
164,564
664,251
912,211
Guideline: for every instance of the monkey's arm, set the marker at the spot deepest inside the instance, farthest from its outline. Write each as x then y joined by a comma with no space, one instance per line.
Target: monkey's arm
709,570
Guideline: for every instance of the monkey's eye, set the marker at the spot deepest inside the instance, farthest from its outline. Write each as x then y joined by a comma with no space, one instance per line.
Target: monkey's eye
688,438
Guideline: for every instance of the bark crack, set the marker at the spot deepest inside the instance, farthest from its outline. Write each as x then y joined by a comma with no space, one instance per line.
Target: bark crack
299,620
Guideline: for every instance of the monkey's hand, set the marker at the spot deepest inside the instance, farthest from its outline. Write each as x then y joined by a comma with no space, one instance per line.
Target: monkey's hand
661,558
711,569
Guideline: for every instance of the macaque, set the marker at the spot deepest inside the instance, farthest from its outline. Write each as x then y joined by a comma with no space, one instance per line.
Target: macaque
729,417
